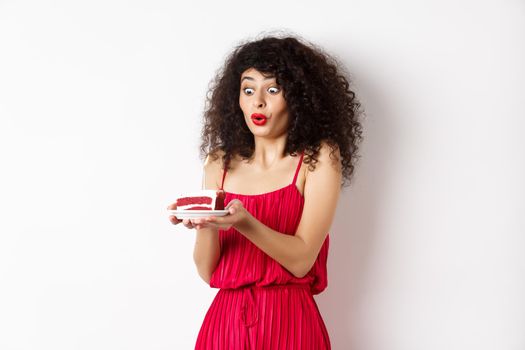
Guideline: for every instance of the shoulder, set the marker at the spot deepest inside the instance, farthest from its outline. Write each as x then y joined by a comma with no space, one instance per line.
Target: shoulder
329,156
213,168
327,168
329,153
214,159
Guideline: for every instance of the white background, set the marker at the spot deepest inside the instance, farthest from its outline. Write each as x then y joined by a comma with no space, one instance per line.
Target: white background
100,115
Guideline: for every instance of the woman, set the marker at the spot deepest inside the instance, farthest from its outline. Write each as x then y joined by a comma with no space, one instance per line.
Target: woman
280,137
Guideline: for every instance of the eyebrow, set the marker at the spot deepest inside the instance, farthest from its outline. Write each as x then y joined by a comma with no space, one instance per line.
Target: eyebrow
250,78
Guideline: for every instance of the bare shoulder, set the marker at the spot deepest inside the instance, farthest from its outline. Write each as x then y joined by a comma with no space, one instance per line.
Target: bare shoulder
214,159
328,160
329,154
213,169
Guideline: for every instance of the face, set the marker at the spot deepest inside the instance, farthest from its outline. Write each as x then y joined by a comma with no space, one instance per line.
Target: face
263,105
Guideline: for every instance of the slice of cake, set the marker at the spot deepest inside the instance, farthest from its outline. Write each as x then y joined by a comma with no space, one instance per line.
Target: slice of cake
201,200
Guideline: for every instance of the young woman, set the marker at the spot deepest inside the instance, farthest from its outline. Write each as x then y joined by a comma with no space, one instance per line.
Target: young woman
280,137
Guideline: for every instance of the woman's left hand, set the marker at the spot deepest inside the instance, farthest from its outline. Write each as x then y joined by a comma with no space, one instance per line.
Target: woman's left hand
237,214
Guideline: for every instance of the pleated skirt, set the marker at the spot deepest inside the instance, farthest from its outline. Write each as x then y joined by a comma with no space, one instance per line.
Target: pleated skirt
273,317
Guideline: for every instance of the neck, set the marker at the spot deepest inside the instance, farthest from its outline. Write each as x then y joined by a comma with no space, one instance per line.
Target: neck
268,152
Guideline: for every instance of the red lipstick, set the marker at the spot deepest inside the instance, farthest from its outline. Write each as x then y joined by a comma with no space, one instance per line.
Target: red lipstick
259,119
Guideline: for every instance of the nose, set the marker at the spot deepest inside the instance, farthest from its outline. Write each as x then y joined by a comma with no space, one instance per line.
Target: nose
258,100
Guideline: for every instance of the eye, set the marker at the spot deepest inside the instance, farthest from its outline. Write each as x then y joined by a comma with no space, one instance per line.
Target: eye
248,91
274,90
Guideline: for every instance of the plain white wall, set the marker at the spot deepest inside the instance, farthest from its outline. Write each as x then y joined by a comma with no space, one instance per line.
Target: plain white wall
100,107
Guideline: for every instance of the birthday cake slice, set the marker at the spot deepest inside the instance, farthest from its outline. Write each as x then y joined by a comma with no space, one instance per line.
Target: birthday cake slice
201,200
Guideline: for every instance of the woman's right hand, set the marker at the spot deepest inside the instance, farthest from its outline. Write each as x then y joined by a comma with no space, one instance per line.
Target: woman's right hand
186,222
173,218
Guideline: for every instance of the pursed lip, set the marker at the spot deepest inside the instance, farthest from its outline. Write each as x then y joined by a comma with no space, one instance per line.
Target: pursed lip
258,115
259,119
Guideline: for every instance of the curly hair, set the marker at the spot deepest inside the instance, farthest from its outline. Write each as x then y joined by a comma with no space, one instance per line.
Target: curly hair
320,104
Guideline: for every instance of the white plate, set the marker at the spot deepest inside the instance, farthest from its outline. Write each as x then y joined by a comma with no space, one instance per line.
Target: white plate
188,214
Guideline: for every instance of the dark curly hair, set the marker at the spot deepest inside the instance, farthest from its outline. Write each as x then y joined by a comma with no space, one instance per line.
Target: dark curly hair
320,104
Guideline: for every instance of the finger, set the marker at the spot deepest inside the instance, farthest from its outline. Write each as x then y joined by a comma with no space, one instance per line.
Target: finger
187,223
172,206
233,202
174,220
197,221
215,220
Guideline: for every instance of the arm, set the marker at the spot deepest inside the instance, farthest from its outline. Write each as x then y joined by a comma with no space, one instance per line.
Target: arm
207,249
297,253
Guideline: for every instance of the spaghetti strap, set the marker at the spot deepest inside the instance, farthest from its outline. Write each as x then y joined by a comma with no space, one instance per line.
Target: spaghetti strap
224,170
223,176
298,167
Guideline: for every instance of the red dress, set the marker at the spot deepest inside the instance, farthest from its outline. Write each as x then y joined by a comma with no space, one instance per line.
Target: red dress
260,304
